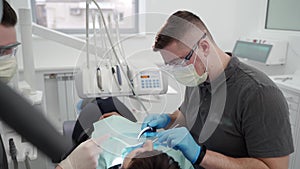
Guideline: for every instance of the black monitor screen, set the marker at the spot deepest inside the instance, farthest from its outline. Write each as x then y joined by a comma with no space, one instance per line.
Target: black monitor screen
252,51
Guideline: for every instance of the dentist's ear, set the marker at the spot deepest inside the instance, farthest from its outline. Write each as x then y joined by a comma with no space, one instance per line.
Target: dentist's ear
204,47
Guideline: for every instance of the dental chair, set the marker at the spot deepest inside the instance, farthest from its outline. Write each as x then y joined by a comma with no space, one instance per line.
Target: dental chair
3,158
92,109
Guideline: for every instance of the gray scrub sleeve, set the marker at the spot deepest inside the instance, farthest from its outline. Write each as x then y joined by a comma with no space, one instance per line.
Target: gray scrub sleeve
265,123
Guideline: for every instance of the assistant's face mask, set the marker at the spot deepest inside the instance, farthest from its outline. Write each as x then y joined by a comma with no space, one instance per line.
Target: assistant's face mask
8,68
188,76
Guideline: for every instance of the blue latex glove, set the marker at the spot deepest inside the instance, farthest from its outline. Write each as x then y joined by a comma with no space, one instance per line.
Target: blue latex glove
181,139
156,120
129,149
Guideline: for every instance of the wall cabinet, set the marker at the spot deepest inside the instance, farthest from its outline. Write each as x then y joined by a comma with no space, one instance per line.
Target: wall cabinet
290,87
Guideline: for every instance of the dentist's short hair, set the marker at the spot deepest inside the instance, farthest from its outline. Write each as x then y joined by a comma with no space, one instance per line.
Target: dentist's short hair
9,16
183,26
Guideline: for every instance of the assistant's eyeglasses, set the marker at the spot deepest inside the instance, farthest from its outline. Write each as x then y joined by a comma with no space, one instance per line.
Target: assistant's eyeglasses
9,49
184,61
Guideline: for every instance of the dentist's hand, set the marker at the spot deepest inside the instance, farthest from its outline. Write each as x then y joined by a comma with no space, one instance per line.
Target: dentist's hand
181,139
156,120
85,156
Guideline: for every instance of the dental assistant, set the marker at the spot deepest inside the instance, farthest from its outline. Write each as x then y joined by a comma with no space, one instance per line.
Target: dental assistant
8,65
253,130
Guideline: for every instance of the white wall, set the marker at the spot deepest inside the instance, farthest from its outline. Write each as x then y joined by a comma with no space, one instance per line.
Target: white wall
251,15
220,17
227,20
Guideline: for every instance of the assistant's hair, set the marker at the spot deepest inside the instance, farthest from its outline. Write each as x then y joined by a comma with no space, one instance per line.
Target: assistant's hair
153,160
179,24
9,17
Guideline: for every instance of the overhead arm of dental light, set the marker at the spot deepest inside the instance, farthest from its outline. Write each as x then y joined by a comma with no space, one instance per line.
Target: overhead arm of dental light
59,37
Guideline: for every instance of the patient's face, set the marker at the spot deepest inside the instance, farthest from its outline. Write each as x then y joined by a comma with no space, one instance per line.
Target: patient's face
148,146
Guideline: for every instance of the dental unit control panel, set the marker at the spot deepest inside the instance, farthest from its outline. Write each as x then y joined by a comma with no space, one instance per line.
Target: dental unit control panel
111,81
150,81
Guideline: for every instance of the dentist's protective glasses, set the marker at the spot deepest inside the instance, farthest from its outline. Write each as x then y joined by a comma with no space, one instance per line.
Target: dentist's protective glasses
9,49
184,61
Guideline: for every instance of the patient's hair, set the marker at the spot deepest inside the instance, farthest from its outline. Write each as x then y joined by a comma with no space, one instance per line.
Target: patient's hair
153,160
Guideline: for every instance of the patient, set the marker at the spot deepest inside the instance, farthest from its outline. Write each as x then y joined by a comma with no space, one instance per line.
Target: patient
147,158
122,143
94,109
143,157
91,111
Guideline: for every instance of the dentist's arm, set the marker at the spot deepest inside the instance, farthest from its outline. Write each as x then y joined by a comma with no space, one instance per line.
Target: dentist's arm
181,139
176,118
219,161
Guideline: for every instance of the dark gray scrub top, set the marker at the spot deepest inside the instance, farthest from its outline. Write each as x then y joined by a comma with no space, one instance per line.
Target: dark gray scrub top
255,120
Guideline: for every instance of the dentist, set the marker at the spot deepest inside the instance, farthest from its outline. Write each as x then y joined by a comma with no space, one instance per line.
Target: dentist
243,114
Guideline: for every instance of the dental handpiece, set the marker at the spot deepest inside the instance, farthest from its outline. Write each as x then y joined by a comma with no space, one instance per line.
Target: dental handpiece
118,73
99,79
147,129
114,72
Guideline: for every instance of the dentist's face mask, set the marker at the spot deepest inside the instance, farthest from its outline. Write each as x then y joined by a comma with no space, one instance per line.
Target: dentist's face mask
185,73
8,63
188,75
8,68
